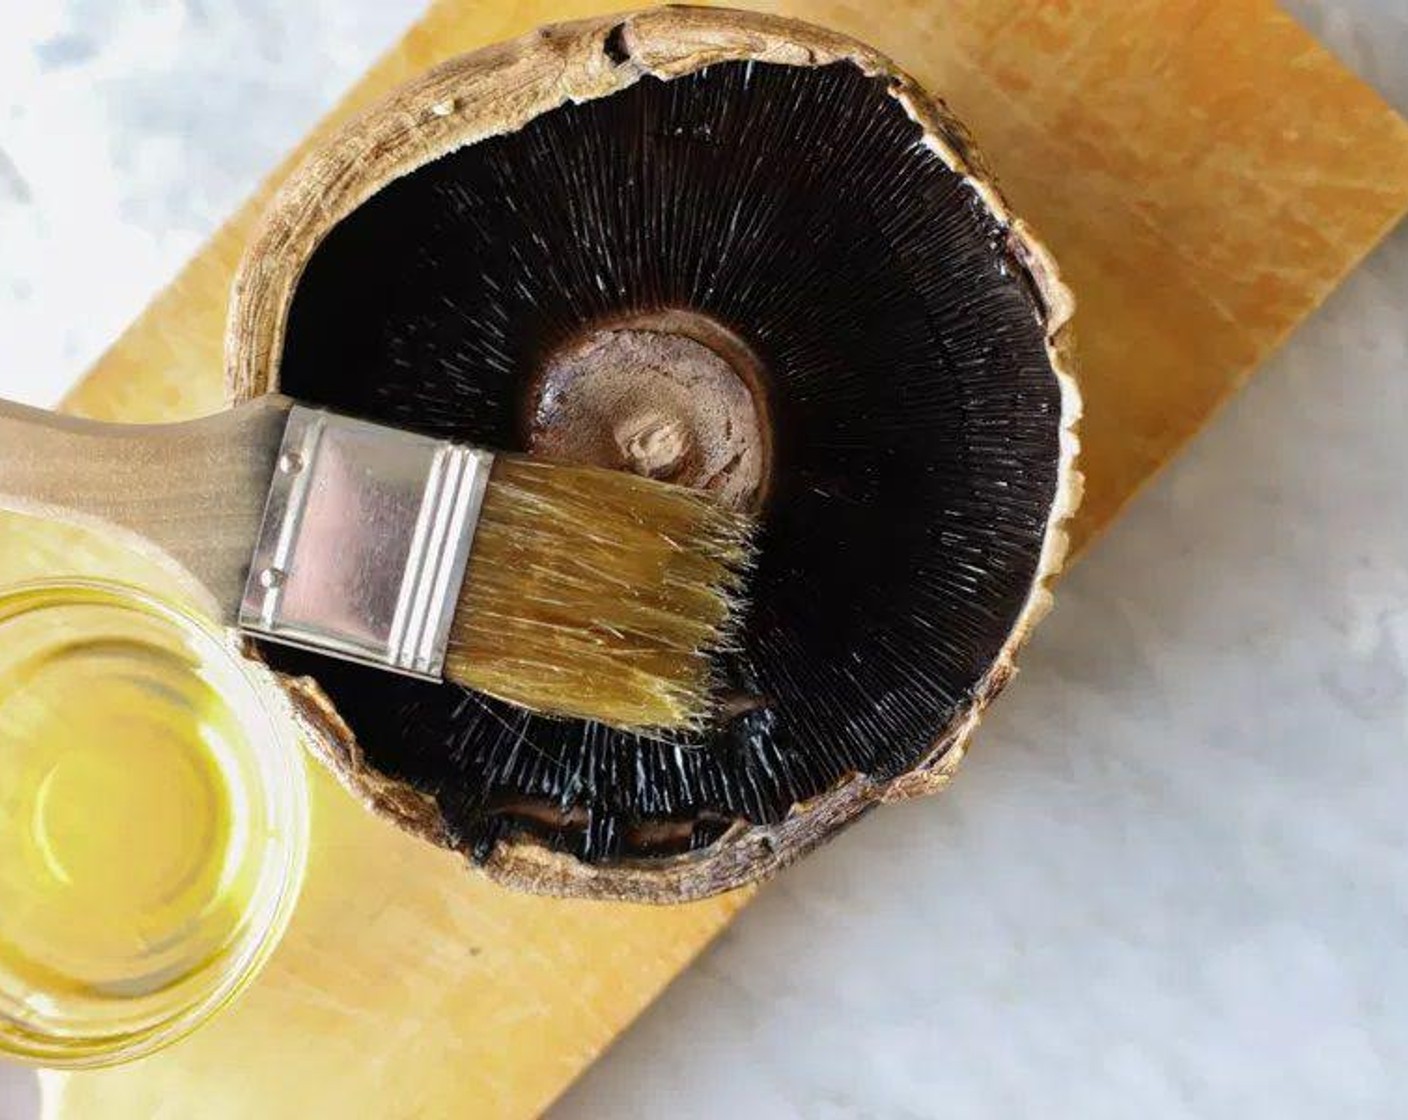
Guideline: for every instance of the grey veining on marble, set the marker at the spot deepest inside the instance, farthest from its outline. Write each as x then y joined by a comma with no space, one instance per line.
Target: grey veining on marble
129,130
1172,880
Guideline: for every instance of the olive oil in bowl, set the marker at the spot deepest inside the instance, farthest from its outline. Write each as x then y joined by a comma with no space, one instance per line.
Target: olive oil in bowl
153,823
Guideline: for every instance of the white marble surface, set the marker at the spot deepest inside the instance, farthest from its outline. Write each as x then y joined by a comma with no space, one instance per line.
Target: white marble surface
1173,880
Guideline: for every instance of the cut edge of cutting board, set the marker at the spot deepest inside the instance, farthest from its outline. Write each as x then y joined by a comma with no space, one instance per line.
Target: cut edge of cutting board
167,366
1090,532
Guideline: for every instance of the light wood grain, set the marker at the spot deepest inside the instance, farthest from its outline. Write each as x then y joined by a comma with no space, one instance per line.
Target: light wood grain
1204,173
190,495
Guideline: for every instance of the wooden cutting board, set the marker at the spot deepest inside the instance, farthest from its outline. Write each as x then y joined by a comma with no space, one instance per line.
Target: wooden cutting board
1205,174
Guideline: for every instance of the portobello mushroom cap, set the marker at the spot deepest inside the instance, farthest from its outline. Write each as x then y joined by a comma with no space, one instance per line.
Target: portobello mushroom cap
734,251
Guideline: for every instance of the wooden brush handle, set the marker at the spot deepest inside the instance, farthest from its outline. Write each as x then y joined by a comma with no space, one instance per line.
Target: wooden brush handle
193,493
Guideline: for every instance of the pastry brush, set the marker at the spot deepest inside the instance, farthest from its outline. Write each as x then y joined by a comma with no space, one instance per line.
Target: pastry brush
568,590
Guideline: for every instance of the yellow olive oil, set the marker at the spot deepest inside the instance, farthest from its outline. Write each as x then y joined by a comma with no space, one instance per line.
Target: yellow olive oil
133,838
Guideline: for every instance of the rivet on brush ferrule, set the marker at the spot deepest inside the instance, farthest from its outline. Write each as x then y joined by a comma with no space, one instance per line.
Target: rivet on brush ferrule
364,543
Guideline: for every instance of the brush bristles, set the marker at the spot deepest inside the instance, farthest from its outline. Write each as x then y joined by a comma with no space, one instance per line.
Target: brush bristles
599,595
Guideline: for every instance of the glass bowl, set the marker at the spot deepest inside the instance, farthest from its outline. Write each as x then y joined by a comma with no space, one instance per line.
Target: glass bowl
153,823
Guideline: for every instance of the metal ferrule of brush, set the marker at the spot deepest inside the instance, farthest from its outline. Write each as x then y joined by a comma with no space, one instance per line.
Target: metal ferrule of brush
364,542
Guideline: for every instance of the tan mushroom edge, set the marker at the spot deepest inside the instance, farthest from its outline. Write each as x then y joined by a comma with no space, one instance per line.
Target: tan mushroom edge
498,90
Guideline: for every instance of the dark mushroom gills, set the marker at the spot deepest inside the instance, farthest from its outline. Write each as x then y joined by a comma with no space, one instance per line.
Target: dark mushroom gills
758,278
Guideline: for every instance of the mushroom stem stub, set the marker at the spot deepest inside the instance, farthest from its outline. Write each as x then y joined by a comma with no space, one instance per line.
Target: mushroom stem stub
748,256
